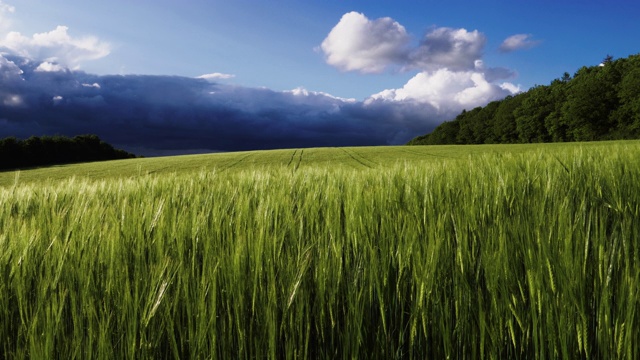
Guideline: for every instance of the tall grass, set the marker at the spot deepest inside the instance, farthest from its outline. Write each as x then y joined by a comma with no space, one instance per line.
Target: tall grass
532,255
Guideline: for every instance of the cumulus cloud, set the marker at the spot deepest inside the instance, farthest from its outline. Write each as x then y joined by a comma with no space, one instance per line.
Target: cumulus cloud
513,89
448,92
357,43
216,76
454,49
50,67
518,42
452,75
369,46
56,46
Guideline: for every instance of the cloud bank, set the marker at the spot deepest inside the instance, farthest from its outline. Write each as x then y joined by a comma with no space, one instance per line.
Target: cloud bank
169,114
42,92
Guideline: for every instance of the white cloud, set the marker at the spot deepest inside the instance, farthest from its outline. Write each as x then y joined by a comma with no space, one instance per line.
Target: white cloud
302,92
455,49
6,8
49,67
216,76
5,22
94,85
9,70
448,91
56,46
452,74
12,100
369,46
299,91
314,102
518,42
513,89
357,43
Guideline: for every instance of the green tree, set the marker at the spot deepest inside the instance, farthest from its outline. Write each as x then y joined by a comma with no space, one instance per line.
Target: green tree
592,98
530,115
597,103
628,114
445,133
470,127
504,126
49,150
485,120
11,153
555,123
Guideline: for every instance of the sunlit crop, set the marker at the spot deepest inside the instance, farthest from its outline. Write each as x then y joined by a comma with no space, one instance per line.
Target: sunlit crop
346,253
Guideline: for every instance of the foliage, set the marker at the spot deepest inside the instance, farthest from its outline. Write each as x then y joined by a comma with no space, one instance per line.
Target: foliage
598,103
52,150
472,252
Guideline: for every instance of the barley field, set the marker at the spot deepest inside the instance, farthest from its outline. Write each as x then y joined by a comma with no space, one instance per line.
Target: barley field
464,252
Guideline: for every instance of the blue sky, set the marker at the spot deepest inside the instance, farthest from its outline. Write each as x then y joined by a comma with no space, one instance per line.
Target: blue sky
397,53
271,43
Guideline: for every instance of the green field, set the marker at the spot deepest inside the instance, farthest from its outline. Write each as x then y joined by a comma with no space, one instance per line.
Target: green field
355,158
506,251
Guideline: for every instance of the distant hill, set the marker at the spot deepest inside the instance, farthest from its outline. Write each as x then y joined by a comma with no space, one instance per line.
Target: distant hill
597,103
54,150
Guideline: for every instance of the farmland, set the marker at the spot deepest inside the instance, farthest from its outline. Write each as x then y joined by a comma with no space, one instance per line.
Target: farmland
385,252
356,158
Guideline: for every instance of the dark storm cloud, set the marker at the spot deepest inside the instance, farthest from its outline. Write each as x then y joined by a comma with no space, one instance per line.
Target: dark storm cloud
156,114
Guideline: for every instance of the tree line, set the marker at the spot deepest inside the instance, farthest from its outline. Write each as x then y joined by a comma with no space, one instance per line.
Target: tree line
54,150
598,103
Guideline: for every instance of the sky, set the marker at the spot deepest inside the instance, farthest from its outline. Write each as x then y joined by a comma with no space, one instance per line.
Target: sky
167,76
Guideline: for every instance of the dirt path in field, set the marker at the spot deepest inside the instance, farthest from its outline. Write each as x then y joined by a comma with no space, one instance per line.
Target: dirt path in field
235,163
359,158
